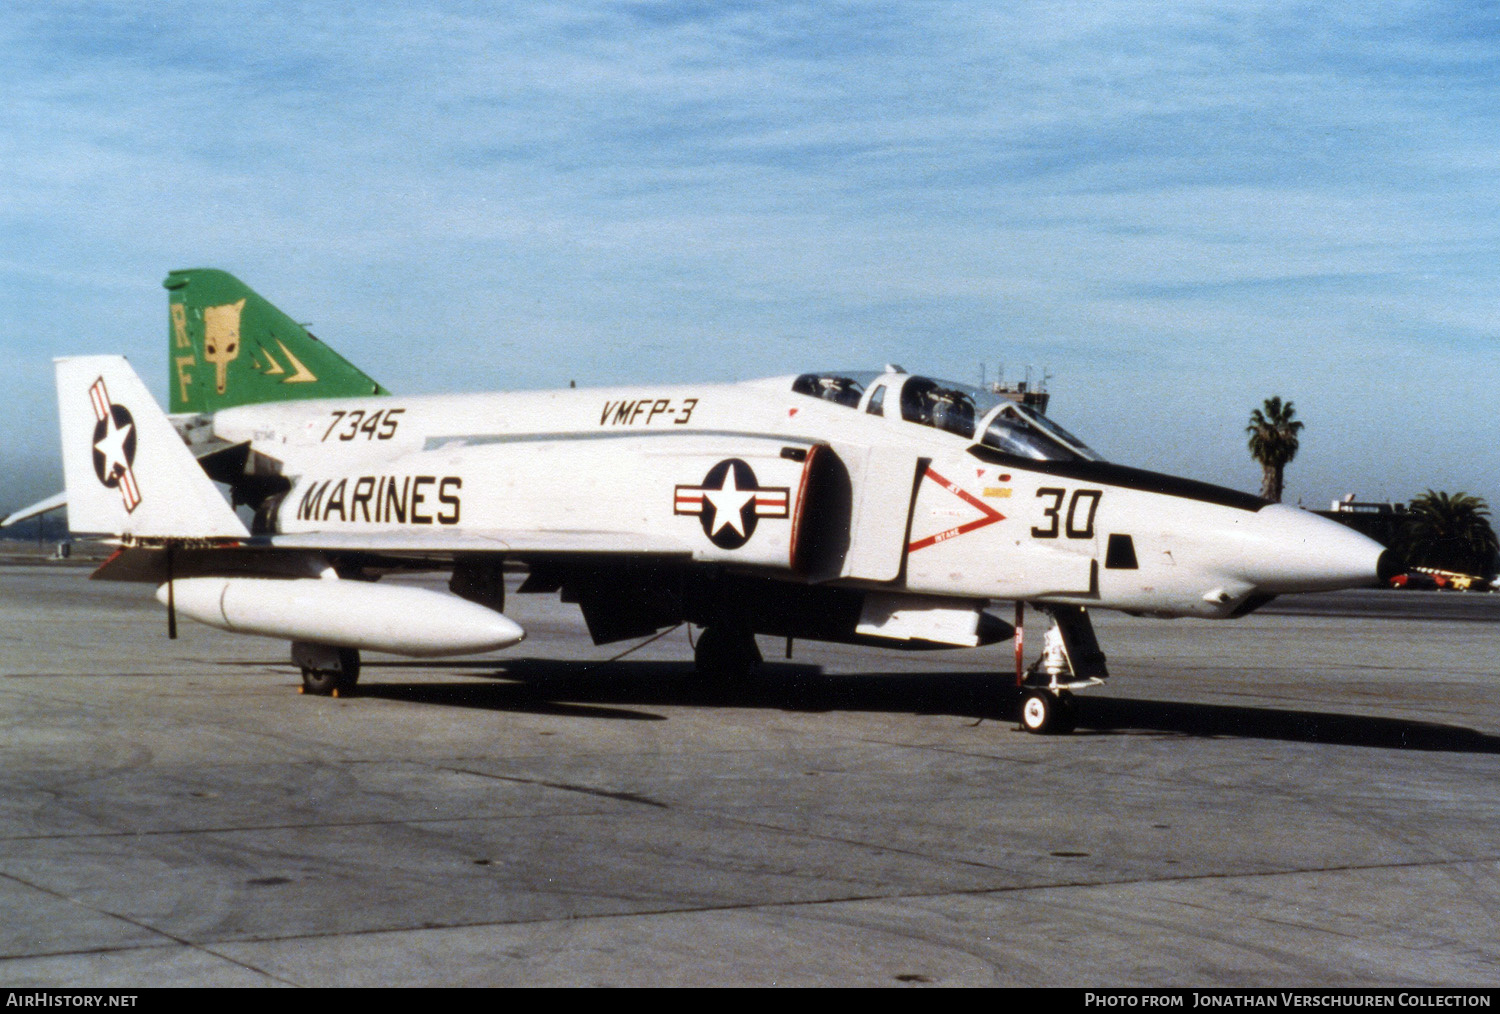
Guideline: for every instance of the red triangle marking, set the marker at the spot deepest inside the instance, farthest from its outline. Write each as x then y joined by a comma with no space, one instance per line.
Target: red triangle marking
989,514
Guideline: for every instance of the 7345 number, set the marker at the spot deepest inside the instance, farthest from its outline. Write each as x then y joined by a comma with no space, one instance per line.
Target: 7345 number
378,425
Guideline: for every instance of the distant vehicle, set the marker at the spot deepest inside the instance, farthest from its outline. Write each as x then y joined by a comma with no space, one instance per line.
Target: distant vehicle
1451,578
878,508
1415,581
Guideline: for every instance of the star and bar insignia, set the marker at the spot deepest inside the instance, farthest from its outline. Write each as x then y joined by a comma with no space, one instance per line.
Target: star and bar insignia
114,446
730,503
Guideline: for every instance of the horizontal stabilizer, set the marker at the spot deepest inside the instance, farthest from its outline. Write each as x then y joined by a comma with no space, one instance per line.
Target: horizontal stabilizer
52,503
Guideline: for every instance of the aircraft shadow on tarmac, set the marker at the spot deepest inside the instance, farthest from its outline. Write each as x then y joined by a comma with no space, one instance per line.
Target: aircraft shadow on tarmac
623,690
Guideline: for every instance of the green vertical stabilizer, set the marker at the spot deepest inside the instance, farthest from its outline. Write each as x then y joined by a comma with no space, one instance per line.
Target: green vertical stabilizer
228,347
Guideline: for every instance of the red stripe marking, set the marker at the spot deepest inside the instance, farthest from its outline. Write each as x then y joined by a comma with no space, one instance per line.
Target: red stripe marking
100,397
129,491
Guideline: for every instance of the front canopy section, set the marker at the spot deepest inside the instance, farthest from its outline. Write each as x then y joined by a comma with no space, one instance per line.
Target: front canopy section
839,388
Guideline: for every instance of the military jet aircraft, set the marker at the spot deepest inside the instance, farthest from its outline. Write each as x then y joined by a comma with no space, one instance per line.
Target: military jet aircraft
880,508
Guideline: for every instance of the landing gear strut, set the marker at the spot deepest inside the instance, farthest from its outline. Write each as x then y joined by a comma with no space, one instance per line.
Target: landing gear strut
726,654
325,669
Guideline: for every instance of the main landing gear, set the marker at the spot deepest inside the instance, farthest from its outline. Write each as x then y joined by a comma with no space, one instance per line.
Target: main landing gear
326,670
726,654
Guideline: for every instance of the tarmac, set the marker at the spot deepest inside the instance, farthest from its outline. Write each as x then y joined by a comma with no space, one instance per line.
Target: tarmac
1303,797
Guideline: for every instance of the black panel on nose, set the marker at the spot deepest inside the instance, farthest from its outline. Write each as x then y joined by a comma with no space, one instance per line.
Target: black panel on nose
1120,554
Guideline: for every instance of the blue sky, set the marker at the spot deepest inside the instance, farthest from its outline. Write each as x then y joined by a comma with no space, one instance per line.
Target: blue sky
1179,209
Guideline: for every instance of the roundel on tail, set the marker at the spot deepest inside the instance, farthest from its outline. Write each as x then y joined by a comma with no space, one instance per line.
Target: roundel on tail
114,446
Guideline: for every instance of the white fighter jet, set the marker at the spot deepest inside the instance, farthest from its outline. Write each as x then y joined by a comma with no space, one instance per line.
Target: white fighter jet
877,508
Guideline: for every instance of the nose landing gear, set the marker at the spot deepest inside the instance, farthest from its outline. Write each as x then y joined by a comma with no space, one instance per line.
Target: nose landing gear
1070,660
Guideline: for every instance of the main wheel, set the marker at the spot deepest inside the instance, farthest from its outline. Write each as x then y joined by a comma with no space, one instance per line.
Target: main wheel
335,675
1044,712
726,654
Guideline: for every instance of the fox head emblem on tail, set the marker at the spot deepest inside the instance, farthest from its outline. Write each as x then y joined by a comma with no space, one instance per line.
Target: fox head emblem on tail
221,338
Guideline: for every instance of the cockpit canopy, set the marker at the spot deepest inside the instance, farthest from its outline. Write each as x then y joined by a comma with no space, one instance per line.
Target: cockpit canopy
973,413
834,387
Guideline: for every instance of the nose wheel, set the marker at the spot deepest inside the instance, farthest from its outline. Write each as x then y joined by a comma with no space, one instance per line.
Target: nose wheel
1048,712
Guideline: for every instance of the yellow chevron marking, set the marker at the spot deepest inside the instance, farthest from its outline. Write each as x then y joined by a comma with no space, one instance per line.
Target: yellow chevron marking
303,374
274,369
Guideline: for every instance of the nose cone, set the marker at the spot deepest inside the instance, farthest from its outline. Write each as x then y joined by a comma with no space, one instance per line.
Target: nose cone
1292,550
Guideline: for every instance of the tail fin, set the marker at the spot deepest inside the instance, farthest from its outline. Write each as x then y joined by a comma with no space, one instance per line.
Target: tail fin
228,346
126,470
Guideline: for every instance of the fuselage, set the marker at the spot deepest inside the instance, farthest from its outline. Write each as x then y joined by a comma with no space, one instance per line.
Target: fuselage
870,488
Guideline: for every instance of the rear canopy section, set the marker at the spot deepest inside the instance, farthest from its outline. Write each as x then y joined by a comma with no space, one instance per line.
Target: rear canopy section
228,346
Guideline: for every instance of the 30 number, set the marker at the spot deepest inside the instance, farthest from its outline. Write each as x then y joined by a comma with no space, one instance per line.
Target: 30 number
1082,507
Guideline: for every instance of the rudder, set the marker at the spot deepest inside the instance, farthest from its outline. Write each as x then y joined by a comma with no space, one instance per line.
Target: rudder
228,346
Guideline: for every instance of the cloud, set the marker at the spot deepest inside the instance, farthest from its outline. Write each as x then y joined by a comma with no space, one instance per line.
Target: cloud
1190,198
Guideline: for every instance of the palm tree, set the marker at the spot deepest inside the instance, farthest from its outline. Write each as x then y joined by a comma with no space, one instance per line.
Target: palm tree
1273,443
1450,533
